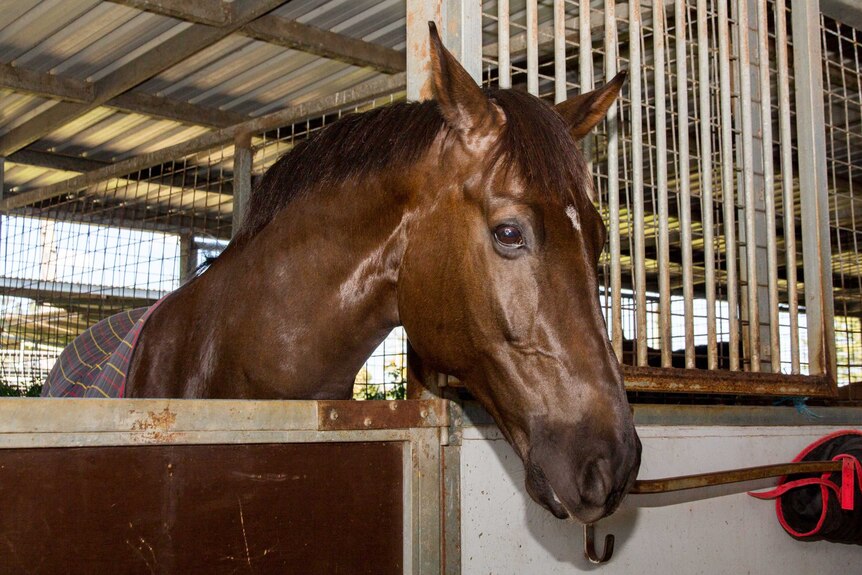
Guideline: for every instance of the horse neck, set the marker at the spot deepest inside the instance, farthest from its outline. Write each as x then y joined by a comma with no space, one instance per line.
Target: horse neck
316,288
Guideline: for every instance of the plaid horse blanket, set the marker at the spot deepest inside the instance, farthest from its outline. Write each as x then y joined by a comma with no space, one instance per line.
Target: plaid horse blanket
96,362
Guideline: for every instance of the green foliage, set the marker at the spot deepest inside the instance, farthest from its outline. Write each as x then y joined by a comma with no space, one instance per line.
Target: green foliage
7,390
394,387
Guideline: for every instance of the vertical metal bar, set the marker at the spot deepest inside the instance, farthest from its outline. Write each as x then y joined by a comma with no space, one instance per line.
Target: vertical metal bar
768,181
787,180
661,170
585,71
814,198
463,34
533,47
419,12
504,65
706,179
639,262
728,182
614,184
559,51
242,164
684,177
747,137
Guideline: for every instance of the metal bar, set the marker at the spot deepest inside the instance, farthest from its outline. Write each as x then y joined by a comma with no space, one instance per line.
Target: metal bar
704,87
662,185
672,380
695,481
419,13
462,33
690,488
242,165
533,47
814,199
747,137
768,181
614,183
585,68
684,177
504,66
727,182
559,51
637,180
302,37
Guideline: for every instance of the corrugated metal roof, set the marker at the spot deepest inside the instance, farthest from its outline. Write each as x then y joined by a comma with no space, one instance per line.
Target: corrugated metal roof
86,40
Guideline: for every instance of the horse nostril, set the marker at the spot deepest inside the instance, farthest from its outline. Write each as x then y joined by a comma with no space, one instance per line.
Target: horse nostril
596,482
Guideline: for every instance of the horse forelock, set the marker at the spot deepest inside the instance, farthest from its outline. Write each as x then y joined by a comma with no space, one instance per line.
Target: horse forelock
535,141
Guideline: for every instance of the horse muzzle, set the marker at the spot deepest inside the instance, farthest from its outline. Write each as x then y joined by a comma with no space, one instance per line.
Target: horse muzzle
585,489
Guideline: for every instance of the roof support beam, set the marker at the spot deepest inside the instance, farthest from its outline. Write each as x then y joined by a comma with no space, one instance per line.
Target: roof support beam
210,12
175,110
60,88
45,85
281,32
292,34
28,157
168,53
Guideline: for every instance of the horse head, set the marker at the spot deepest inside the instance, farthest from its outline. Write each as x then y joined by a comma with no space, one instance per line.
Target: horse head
498,285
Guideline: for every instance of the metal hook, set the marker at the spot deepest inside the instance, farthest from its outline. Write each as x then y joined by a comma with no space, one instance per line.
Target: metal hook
590,545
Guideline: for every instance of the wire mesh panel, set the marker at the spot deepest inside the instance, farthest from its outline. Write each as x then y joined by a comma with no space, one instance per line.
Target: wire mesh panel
842,81
696,167
122,244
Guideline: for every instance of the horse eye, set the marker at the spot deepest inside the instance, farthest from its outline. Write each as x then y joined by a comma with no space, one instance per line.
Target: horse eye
509,236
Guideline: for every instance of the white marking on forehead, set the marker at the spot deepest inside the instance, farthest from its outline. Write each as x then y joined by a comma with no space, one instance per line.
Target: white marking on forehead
572,212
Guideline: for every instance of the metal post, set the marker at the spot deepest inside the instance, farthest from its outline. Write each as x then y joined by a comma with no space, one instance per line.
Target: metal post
460,26
637,181
814,201
749,229
559,51
242,163
684,177
728,182
787,180
2,176
704,87
504,65
614,184
661,172
585,71
768,182
533,47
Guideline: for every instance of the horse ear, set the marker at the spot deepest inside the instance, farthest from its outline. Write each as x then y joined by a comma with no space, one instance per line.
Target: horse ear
463,104
584,111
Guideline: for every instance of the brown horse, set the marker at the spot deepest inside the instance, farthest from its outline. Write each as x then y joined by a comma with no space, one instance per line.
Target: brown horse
469,221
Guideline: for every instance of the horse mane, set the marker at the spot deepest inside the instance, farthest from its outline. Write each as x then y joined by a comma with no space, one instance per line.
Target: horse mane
535,141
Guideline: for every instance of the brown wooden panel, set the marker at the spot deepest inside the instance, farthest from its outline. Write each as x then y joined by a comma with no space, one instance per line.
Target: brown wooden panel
275,508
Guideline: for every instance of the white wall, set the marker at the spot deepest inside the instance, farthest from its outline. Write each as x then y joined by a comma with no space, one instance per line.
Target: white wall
503,531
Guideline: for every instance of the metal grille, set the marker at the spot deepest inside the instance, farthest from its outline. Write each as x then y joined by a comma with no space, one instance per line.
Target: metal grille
76,259
842,82
683,175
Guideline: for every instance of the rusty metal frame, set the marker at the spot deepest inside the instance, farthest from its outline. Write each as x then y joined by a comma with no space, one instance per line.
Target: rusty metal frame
676,380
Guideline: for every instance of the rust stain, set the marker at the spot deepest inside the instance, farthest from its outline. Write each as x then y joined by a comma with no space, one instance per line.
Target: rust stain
157,426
